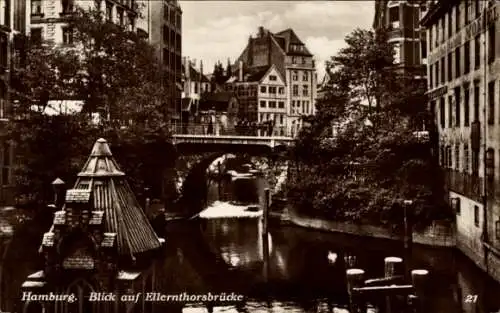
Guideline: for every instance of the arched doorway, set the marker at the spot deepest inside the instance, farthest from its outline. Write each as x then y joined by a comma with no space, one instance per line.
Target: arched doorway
82,289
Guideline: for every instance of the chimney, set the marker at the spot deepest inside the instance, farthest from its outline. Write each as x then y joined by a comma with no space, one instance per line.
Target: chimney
240,71
261,31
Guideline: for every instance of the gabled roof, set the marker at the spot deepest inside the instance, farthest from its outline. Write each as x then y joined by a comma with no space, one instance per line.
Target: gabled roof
112,195
252,74
269,69
290,38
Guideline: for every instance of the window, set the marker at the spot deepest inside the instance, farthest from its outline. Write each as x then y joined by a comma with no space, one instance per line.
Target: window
450,25
477,8
293,107
442,113
121,19
475,162
476,216
281,90
466,159
457,157
491,43
36,7
36,36
450,111
448,154
436,70
272,90
305,90
67,35
263,89
295,75
67,6
457,205
457,62
281,119
491,102
457,107
476,102
305,77
431,72
109,11
466,11
466,107
272,77
294,60
272,104
430,38
477,52
441,156
457,18
450,66
303,59
423,48
442,70
195,87
263,104
295,90
497,230
467,57
281,105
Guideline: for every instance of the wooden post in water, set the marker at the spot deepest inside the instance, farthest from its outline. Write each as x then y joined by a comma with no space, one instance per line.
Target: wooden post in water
355,279
265,232
219,181
419,280
408,238
393,267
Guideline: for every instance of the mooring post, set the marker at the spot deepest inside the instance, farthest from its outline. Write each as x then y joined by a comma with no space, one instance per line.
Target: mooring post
393,267
219,179
419,280
355,279
265,233
408,238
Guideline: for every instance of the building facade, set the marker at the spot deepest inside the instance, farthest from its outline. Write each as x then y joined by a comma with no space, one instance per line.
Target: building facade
295,64
47,19
194,84
464,81
401,19
12,28
162,21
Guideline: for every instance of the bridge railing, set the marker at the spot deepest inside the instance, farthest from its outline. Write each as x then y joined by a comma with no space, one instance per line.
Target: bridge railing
220,130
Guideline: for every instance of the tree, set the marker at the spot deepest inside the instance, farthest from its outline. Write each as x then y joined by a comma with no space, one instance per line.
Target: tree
114,72
356,164
218,74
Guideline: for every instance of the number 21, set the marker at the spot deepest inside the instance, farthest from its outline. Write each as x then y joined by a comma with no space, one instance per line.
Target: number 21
471,299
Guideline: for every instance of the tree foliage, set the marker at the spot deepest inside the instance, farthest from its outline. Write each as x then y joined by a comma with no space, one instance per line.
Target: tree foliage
357,164
114,73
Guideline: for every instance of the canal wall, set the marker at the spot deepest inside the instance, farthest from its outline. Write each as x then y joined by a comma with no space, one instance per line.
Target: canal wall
437,235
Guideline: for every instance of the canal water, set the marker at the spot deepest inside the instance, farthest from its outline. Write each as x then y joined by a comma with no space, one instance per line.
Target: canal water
306,267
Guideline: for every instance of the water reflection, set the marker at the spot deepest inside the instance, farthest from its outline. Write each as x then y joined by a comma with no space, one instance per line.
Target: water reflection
307,268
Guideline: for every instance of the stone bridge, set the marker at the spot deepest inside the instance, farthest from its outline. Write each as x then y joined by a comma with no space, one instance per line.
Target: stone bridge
195,153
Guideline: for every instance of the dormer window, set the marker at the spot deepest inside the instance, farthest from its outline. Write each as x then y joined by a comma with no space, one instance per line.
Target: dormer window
273,77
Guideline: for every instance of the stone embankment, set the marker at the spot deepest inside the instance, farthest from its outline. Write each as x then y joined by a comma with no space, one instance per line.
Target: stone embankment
437,234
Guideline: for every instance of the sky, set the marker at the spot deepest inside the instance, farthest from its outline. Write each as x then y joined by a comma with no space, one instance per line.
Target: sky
218,30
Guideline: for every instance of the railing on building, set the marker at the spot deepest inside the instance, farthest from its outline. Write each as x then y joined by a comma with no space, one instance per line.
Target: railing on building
222,130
